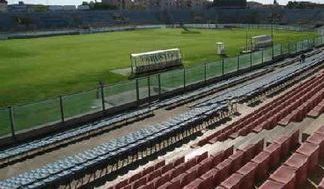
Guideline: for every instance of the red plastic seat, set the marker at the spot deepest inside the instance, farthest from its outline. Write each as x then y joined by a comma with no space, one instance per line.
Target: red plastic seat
224,169
175,184
317,139
262,160
191,175
274,151
321,184
167,168
179,161
312,152
229,151
285,175
194,184
284,143
178,170
159,164
165,185
139,182
153,175
135,177
233,182
299,163
294,140
148,170
121,184
191,163
208,180
269,184
202,156
214,174
217,158
205,166
161,180
249,153
248,171
237,159
128,187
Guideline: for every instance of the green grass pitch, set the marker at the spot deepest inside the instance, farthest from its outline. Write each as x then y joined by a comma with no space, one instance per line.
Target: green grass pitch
36,69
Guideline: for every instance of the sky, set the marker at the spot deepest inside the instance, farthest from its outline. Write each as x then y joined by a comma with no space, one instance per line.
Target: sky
77,2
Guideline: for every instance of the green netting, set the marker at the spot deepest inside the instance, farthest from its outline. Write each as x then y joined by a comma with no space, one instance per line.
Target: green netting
277,50
121,93
214,69
245,61
292,48
143,88
257,57
285,49
41,113
5,127
172,80
299,46
195,74
82,103
230,65
318,41
154,85
267,54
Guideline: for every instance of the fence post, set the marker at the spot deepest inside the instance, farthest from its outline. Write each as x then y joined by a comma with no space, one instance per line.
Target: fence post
222,66
159,82
184,79
205,72
238,62
262,56
288,48
272,53
137,91
149,87
102,90
296,48
12,122
61,108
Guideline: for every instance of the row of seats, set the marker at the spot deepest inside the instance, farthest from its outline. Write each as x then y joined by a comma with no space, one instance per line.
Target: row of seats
282,110
257,169
251,89
175,174
36,146
87,166
198,94
293,173
157,175
288,161
226,167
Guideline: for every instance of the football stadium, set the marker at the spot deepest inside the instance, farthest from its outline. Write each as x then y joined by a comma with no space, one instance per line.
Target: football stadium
162,94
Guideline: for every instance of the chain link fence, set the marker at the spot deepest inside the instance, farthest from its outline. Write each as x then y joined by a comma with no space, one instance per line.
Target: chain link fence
18,118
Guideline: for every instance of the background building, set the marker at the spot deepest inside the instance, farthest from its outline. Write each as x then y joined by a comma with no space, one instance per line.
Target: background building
230,3
3,5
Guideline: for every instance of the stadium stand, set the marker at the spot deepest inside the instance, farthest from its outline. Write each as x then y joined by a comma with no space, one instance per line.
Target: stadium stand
288,160
285,162
101,18
229,168
37,146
